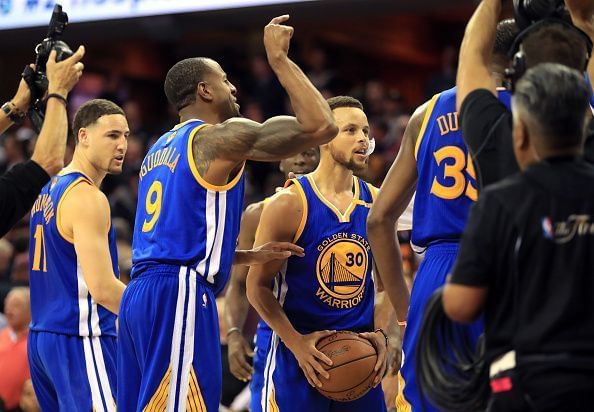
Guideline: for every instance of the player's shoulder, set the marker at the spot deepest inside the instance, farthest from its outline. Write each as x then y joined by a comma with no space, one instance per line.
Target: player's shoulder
84,196
287,203
253,212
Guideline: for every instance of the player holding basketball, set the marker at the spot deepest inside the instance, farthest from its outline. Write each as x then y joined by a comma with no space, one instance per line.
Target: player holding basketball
190,200
433,161
75,293
325,213
237,305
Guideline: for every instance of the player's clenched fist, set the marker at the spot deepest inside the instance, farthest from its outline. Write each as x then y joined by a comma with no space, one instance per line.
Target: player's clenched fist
277,37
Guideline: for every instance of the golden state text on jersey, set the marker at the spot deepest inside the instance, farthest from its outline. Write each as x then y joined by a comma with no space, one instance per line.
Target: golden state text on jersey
331,287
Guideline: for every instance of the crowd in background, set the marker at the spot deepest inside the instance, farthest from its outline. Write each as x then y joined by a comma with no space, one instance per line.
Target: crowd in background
260,95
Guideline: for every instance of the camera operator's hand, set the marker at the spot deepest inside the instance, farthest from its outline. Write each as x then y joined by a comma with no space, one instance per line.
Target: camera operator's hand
582,13
62,76
22,98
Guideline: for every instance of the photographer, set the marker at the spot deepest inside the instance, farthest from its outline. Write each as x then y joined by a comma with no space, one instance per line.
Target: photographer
486,123
527,254
20,186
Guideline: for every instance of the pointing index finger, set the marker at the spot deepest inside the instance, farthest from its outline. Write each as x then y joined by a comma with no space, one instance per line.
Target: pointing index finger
280,19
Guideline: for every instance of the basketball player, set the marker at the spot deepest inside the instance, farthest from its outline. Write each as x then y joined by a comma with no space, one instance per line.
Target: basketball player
75,292
187,221
433,161
325,213
237,306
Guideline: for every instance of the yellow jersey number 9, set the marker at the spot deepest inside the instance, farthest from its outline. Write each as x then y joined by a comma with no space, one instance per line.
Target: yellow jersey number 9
152,205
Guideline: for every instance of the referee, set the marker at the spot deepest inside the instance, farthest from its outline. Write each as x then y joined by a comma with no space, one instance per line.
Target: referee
485,121
527,255
20,186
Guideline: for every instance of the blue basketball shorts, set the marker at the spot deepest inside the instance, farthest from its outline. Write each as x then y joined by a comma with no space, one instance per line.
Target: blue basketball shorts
73,373
286,388
169,354
438,262
262,340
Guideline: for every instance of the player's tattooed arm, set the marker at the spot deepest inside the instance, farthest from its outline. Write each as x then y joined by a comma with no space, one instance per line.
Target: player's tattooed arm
279,137
392,200
219,149
474,67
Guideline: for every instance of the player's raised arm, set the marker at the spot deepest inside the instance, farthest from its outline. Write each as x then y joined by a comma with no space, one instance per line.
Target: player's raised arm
392,200
90,229
474,67
582,15
279,222
279,137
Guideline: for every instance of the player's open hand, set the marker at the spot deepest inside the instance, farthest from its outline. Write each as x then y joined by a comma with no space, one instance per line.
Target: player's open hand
63,76
238,351
378,341
273,251
277,38
310,358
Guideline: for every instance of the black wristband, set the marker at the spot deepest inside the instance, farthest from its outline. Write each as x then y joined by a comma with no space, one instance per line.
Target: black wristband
383,333
57,96
13,113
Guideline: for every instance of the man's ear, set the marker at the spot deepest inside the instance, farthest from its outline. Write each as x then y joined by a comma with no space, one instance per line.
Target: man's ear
203,91
83,136
521,136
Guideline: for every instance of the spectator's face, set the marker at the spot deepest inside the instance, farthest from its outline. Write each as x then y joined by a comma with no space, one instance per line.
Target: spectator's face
16,309
349,147
28,399
106,141
302,163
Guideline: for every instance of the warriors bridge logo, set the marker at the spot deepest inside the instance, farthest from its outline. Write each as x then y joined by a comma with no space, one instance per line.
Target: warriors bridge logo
341,269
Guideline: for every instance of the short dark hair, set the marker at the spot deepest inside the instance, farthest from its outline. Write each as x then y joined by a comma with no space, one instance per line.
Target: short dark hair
507,30
182,80
556,98
344,101
554,42
91,111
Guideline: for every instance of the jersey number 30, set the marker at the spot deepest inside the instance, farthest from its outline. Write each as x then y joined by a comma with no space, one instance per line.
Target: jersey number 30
454,171
153,205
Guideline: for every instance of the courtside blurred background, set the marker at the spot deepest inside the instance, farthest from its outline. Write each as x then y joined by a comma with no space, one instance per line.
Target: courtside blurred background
391,54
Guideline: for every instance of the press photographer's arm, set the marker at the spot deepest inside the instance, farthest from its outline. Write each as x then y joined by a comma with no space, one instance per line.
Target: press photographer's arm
51,144
20,186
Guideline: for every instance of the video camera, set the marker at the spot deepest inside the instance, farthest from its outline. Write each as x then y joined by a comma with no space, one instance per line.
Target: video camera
530,15
528,12
37,78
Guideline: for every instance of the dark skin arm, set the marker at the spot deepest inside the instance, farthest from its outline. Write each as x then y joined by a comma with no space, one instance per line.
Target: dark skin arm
237,306
476,51
463,303
582,15
391,202
221,148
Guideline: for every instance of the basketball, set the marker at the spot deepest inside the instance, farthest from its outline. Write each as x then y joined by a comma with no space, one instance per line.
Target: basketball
351,374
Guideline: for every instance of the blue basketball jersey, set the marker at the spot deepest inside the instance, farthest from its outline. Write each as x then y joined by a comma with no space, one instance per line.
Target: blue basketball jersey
331,287
60,298
181,219
446,186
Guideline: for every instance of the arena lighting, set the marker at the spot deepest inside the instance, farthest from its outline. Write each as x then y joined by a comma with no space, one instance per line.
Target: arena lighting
30,13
